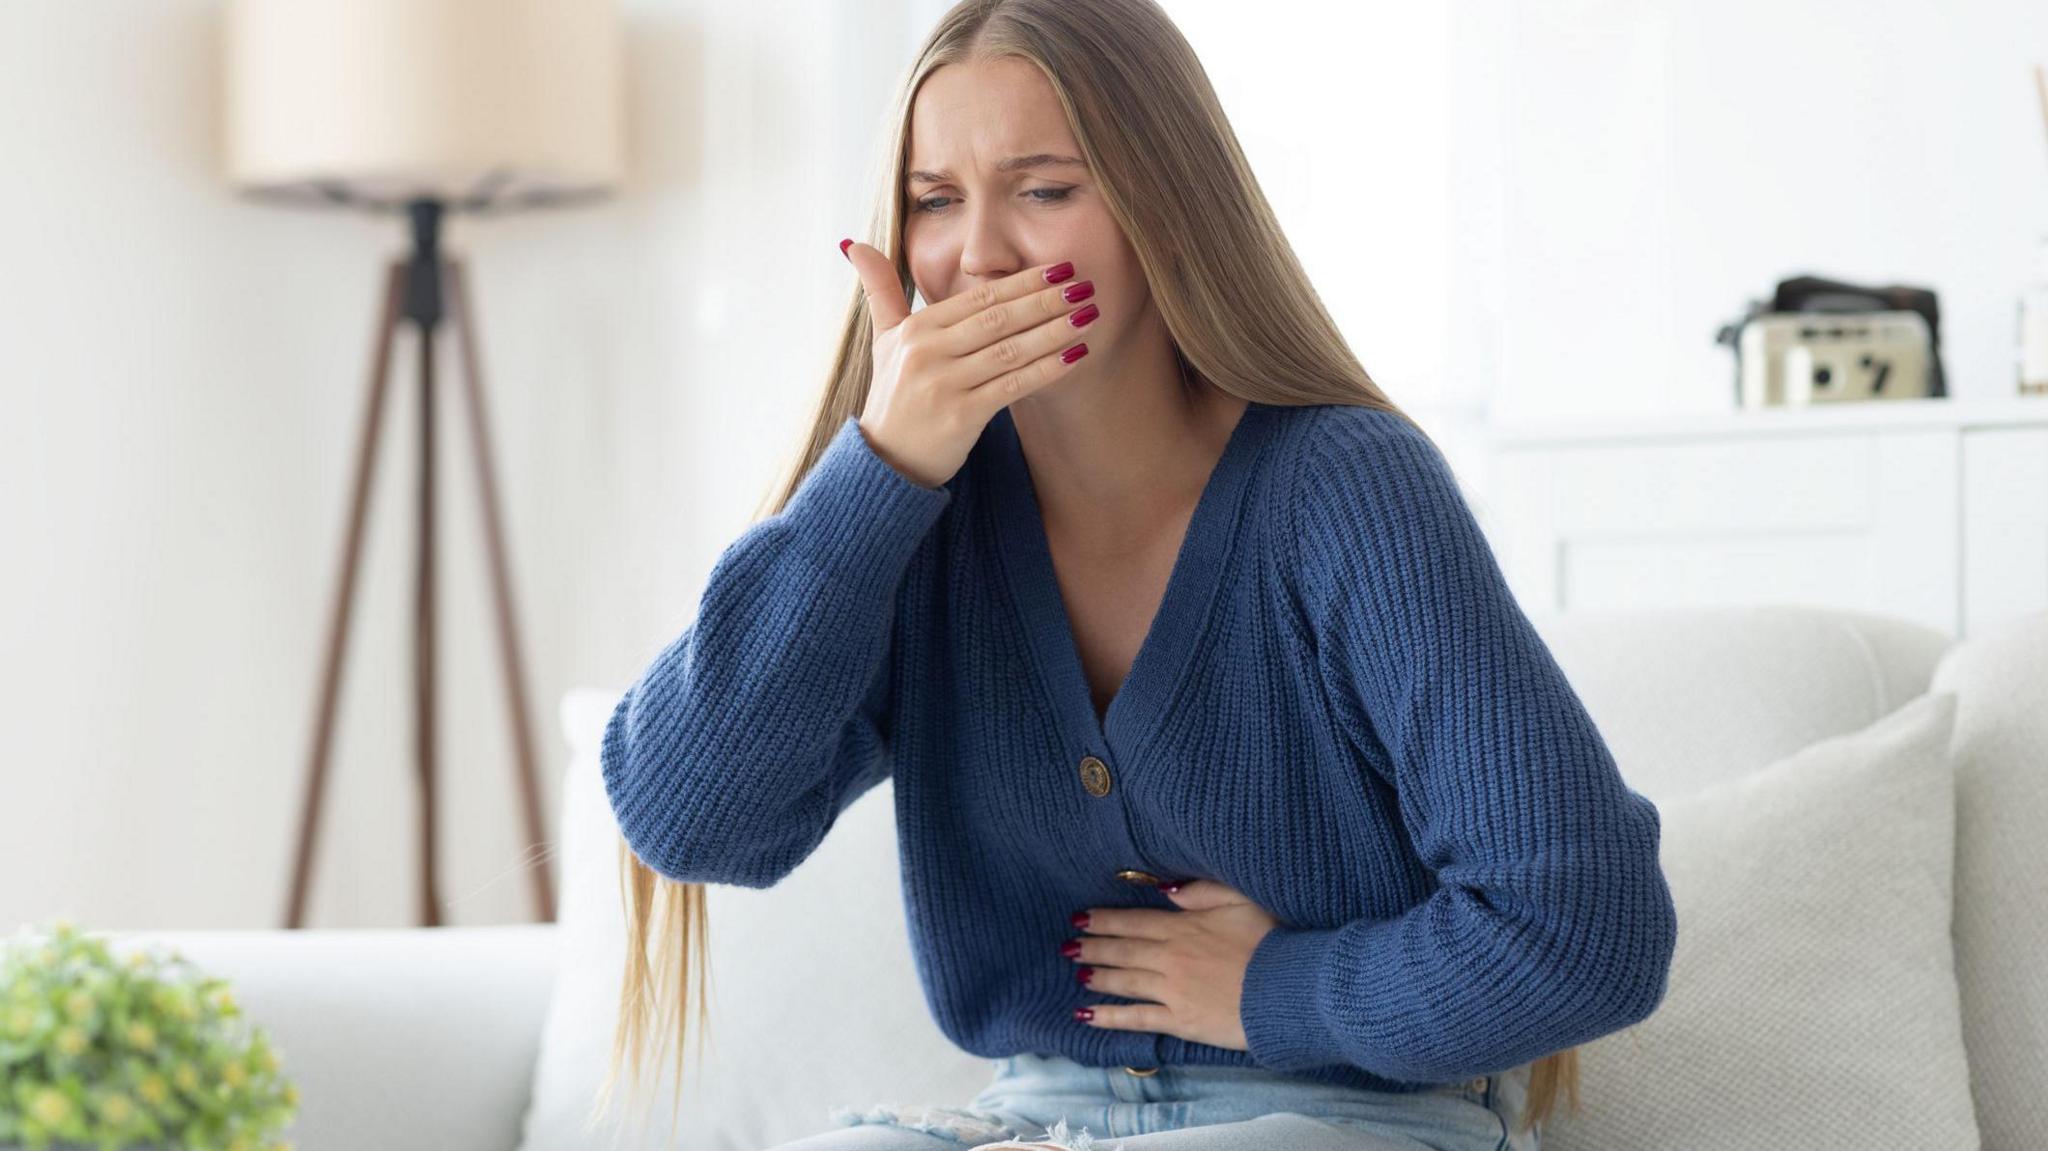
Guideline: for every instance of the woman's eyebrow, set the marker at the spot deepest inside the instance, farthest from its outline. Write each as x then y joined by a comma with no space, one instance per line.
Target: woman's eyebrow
1013,164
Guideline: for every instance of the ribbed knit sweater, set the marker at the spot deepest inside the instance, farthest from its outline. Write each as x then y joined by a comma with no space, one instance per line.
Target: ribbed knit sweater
1339,710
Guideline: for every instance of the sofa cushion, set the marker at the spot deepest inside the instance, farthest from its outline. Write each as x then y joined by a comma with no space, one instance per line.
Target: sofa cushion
1690,697
398,1038
814,997
2001,927
1812,999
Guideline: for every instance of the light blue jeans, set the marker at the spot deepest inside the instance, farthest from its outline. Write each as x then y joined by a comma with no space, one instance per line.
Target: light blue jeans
1051,1101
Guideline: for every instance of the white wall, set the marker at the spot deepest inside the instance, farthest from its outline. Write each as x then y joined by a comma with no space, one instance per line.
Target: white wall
1660,162
1348,143
182,376
1538,207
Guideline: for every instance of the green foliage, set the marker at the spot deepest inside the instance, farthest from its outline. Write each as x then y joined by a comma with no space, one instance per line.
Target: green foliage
147,1051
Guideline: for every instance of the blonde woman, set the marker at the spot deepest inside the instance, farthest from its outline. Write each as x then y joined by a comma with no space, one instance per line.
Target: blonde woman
1239,804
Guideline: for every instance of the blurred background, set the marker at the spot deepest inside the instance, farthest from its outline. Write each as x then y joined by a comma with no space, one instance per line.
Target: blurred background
1521,215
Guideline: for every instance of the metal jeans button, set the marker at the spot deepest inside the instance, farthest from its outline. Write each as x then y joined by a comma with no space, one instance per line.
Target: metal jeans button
1479,1085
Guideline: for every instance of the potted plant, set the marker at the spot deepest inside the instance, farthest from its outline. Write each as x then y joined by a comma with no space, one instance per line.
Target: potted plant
144,1052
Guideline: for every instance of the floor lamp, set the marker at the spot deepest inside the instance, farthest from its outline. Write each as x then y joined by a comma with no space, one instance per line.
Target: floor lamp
423,109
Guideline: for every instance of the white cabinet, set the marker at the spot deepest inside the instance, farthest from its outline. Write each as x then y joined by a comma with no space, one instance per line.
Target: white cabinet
1935,510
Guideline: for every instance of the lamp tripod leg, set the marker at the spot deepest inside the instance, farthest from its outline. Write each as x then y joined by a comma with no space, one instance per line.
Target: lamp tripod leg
338,617
501,589
423,648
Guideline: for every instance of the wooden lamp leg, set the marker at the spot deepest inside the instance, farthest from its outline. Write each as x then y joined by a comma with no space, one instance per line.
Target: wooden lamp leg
501,585
423,621
344,597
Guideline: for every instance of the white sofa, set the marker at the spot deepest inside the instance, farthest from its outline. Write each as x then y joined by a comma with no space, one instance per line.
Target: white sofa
434,1038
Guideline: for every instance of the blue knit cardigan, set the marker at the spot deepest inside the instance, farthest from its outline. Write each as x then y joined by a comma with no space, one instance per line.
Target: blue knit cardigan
1339,710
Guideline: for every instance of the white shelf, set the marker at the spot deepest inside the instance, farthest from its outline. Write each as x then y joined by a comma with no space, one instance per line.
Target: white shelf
2016,411
1930,510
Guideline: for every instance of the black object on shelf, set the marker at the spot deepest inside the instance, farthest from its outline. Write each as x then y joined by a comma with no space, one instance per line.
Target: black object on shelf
1817,294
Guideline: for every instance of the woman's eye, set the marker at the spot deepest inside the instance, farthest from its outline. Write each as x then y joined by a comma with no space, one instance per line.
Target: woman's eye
1052,196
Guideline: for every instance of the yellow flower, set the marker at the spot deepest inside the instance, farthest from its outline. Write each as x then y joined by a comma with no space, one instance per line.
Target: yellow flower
266,1060
234,1074
291,1094
240,1143
153,1089
73,1041
141,1036
138,959
224,1002
185,1076
78,1004
116,1108
20,1021
49,1107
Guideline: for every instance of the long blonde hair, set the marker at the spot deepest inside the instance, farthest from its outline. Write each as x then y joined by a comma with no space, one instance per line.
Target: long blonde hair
1240,310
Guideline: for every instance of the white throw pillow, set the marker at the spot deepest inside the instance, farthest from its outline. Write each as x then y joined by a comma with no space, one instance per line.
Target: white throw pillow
1813,998
2001,755
814,994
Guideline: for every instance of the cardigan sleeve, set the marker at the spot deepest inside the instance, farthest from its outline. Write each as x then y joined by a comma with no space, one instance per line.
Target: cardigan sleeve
733,754
1550,922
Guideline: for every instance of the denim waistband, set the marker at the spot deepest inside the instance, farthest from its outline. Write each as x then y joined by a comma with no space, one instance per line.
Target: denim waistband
1470,1113
1057,1075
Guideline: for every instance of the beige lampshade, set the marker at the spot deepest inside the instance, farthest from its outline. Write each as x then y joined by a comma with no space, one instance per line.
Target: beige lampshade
392,100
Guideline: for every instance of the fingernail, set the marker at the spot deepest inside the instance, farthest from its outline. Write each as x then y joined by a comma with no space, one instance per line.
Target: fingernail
1084,974
1068,357
1084,317
1070,948
1084,1014
1075,293
1173,887
1059,272
1079,919
843,245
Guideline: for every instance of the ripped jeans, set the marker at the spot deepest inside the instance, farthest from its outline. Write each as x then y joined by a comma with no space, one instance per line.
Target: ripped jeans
1050,1101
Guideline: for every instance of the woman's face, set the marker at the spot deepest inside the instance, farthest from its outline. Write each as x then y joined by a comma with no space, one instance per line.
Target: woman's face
967,221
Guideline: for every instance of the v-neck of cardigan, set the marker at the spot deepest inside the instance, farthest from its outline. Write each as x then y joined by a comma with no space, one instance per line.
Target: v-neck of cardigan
1134,711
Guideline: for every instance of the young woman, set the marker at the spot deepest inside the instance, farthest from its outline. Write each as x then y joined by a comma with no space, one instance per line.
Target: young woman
1117,563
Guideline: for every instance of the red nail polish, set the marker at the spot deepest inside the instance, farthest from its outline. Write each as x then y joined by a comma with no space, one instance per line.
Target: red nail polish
1170,887
1070,948
1079,918
1084,974
1075,293
1068,357
1085,316
1084,1014
843,245
1059,272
